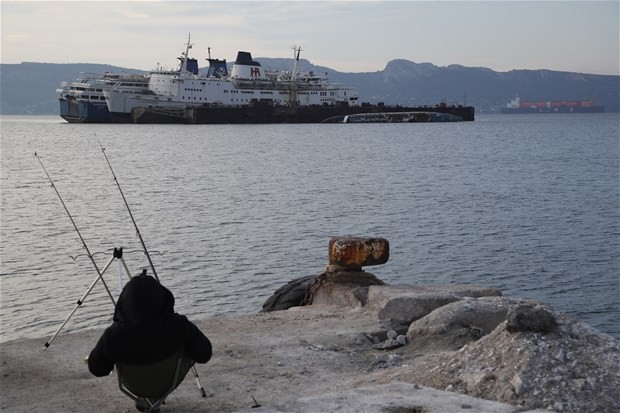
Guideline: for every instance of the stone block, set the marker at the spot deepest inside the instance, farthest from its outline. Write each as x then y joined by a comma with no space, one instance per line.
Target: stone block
343,295
530,317
480,315
345,288
357,252
405,304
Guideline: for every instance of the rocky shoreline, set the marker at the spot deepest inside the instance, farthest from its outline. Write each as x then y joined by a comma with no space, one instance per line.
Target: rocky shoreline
324,358
361,346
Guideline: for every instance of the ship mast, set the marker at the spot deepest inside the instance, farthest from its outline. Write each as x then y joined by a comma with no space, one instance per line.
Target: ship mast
296,51
185,55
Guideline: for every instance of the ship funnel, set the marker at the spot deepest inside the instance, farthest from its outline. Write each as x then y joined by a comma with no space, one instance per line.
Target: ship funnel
246,68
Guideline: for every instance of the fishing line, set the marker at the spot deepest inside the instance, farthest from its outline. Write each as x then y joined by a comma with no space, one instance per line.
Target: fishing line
146,252
100,277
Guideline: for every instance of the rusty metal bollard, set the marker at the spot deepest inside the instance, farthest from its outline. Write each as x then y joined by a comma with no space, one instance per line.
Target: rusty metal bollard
344,282
357,252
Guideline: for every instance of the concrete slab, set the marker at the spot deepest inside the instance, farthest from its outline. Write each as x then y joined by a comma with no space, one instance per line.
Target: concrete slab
405,304
397,397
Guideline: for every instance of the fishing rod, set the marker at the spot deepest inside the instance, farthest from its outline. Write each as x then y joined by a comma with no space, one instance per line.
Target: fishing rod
99,273
146,252
194,370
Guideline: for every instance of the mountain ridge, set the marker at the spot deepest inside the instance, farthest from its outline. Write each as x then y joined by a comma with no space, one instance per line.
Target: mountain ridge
30,87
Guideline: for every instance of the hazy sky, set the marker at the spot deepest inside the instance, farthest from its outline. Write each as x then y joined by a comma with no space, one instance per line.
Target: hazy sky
357,36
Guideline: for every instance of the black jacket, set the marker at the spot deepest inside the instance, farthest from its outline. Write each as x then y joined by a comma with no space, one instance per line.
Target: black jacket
146,330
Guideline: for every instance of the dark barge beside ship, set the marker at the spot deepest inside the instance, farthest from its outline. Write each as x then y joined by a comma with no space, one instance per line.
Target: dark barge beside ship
265,113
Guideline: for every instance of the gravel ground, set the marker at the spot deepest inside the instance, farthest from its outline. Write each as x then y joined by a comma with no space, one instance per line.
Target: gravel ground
282,358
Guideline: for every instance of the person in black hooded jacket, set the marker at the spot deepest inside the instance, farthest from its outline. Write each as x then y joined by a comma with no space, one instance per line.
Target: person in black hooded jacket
146,330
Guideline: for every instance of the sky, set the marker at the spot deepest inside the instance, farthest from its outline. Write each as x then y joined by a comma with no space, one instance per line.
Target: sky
347,36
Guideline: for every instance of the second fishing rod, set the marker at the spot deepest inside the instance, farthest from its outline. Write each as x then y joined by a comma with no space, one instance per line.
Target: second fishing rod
146,252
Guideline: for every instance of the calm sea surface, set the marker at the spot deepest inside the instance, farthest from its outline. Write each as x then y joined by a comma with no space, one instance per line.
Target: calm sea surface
526,204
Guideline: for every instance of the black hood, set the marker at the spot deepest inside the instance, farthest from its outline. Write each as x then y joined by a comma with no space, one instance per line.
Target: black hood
144,300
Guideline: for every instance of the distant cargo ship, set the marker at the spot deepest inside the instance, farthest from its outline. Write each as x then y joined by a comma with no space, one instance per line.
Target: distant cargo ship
557,106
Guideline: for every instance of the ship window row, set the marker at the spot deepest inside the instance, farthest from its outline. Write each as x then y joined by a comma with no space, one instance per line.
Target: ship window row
187,89
248,100
248,92
87,89
310,93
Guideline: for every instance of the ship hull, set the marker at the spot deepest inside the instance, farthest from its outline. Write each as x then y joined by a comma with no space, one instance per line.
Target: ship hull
78,111
120,117
561,109
265,114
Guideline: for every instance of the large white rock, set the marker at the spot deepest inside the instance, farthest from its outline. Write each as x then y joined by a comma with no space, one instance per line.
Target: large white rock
404,304
483,314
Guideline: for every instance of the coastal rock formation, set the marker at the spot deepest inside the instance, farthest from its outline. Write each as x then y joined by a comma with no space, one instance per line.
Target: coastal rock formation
460,322
404,304
492,347
341,287
289,295
467,350
323,358
343,281
335,285
509,350
573,368
535,318
471,340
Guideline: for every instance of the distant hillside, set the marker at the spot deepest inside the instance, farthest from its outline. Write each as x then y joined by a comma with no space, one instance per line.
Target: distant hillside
30,88
407,83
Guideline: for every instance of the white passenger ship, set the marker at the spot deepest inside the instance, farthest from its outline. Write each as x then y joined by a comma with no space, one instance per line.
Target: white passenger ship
83,101
247,84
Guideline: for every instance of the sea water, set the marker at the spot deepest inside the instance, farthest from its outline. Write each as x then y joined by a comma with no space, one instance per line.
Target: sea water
527,204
